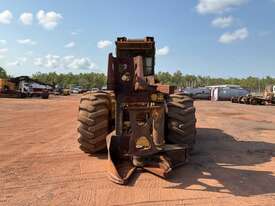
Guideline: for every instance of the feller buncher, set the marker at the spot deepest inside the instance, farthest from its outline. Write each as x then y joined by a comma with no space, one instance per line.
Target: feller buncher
143,125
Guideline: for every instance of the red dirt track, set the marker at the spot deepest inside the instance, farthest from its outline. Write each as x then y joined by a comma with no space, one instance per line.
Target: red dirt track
41,164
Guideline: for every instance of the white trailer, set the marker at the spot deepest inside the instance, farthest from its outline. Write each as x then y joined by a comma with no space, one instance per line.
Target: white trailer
226,92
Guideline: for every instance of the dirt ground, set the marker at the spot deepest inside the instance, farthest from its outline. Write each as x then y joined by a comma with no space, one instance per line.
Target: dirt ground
40,163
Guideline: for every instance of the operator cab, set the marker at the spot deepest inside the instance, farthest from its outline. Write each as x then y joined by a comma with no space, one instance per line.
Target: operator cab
130,48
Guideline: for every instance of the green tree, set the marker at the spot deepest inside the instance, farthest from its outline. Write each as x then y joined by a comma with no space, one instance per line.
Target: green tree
90,80
85,80
3,73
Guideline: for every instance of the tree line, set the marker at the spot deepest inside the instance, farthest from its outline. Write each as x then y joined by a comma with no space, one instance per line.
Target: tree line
91,80
85,80
98,80
180,80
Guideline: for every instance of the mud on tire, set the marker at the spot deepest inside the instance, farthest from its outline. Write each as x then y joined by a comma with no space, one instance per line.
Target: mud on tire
181,120
95,116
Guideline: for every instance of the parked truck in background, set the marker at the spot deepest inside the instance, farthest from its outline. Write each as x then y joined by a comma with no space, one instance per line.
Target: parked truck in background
22,87
60,90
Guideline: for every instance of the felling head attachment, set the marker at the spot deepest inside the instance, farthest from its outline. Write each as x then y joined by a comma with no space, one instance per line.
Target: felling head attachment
138,141
143,148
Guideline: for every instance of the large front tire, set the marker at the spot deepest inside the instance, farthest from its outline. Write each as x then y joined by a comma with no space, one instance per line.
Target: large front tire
95,112
181,120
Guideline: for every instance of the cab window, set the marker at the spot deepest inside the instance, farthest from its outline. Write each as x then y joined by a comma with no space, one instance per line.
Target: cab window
148,66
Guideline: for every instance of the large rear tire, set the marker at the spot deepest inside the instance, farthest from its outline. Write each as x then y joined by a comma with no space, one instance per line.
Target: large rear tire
181,120
95,115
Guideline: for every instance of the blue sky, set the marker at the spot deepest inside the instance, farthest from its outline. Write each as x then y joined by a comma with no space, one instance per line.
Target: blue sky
220,38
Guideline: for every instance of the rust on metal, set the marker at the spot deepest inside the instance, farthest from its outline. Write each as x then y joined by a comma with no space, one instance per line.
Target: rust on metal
138,140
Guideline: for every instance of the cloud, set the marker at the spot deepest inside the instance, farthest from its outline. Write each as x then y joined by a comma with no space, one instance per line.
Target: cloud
264,33
239,34
52,61
2,41
38,62
18,62
15,63
22,59
48,20
81,63
76,32
26,18
3,50
29,53
6,17
163,51
223,22
70,45
103,44
49,61
26,41
217,6
67,62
